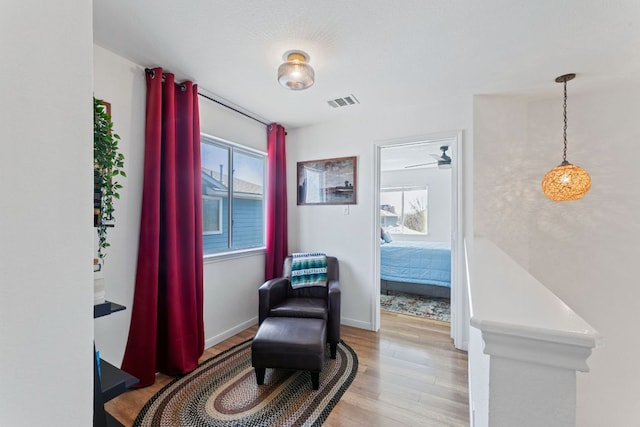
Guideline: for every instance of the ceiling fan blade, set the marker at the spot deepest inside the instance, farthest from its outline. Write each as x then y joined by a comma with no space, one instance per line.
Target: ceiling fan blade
437,156
419,165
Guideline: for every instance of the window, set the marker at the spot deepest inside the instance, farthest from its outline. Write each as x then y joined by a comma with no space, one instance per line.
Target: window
212,214
404,210
232,203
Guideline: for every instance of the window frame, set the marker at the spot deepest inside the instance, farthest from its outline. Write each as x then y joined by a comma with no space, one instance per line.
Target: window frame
220,214
403,190
234,148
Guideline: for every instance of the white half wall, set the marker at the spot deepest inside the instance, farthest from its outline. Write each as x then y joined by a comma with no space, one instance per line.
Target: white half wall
46,292
230,284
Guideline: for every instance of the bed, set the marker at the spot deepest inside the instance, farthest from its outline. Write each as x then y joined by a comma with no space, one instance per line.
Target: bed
417,267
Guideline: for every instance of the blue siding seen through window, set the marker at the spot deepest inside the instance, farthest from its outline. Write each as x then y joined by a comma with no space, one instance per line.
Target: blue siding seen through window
246,211
248,226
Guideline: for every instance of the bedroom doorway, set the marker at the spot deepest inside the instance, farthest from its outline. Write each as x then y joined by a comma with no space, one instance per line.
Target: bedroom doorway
417,207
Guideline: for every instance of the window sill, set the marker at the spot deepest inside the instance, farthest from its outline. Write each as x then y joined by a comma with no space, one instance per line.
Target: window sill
213,258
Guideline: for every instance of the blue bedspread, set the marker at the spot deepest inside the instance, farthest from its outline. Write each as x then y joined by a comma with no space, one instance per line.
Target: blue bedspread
426,263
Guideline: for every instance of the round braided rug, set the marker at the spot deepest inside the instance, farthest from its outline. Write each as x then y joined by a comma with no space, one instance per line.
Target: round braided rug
222,391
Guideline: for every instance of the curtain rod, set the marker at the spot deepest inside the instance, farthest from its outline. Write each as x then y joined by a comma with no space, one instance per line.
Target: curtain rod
231,108
151,73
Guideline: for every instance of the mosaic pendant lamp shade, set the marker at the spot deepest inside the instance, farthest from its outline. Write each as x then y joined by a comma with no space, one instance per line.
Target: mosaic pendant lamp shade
566,181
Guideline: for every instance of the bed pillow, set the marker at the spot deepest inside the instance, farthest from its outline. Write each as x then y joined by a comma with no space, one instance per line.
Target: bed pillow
386,237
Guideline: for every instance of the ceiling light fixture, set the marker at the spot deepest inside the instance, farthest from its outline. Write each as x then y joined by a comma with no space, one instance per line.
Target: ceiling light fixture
566,181
295,73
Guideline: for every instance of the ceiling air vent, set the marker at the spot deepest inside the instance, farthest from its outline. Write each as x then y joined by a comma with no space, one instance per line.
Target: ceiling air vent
343,102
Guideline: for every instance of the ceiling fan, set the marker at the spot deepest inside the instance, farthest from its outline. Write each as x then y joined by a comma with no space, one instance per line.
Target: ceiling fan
443,160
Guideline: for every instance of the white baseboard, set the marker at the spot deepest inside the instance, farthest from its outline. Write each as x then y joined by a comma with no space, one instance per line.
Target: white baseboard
210,342
357,324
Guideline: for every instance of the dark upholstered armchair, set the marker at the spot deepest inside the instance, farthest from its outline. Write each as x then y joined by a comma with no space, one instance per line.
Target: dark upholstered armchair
277,299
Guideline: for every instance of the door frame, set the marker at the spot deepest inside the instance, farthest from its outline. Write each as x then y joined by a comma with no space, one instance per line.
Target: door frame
459,306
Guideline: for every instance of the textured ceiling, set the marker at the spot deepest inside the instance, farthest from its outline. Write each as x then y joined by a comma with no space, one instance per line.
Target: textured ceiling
389,54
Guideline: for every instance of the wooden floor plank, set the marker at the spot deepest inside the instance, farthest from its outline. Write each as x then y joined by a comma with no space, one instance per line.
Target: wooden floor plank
409,374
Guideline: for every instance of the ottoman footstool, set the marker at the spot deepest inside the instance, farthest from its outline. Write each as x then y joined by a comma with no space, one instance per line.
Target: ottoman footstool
290,343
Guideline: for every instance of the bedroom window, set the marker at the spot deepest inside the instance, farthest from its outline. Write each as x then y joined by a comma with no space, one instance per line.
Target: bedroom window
404,210
232,203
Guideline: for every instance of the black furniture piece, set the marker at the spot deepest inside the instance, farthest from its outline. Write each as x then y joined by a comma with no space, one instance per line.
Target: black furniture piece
276,298
106,308
290,343
108,381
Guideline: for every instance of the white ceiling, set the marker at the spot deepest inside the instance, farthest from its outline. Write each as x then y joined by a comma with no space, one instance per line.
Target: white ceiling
386,53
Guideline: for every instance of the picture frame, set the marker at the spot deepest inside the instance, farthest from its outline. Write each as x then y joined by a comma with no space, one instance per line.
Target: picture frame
328,181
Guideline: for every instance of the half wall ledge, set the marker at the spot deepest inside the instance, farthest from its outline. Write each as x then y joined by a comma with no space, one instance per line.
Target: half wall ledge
525,345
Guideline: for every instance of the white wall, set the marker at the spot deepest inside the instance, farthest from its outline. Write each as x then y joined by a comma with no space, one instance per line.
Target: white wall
582,250
352,237
231,285
231,297
501,170
121,83
46,325
438,182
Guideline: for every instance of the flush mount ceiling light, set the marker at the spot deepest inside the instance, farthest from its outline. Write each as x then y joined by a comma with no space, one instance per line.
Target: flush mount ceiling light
295,73
566,181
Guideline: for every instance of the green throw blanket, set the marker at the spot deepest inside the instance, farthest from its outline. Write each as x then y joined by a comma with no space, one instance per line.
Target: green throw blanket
308,269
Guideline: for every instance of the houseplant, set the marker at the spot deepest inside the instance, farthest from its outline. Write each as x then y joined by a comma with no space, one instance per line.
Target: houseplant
108,164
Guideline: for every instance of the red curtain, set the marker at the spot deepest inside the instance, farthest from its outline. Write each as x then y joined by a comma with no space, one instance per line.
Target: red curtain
277,239
167,328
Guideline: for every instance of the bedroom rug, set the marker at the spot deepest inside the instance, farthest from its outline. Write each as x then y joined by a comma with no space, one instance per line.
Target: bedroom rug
417,305
222,391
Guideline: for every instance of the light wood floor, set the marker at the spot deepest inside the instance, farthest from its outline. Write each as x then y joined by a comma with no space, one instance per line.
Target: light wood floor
409,374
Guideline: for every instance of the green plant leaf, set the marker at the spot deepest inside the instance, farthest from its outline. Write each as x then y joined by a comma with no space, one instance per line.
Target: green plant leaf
108,163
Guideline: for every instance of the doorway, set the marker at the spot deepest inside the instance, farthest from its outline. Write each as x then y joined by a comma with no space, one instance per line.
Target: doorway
423,156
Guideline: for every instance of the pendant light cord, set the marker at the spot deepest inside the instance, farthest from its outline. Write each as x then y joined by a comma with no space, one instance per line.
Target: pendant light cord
566,181
564,153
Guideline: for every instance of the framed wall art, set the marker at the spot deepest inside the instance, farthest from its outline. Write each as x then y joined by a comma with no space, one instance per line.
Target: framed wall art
328,182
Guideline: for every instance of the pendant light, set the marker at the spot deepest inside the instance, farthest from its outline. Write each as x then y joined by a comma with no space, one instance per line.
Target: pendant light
566,181
295,73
